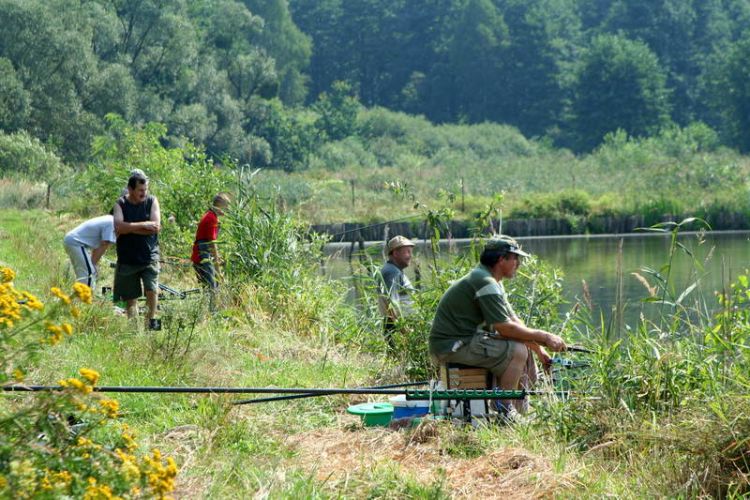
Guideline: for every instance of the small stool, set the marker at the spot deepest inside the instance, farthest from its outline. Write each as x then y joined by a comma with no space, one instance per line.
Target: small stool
458,376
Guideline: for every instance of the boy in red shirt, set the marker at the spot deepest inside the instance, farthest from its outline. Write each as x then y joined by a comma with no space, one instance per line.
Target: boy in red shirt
205,250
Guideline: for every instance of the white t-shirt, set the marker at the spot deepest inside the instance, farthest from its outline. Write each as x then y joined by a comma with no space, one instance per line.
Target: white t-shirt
92,232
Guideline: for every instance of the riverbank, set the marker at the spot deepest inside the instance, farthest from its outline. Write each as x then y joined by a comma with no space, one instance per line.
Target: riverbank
418,228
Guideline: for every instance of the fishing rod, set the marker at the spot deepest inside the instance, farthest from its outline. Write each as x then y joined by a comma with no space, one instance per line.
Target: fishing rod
310,395
578,348
413,395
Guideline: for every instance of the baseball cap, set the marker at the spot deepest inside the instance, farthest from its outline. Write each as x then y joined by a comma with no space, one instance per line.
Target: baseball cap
398,242
506,244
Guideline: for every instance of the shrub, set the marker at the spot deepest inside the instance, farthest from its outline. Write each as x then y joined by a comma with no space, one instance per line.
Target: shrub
64,443
22,154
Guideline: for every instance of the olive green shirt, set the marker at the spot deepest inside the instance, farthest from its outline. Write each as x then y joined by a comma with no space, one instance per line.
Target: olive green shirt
472,304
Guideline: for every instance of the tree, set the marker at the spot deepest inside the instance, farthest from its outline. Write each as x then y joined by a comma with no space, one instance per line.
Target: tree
290,134
477,56
731,94
286,44
620,85
545,37
338,111
14,99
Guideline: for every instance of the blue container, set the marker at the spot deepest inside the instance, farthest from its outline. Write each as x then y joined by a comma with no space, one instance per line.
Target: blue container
409,411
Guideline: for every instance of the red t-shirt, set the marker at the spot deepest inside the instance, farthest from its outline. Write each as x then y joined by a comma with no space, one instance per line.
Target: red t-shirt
208,230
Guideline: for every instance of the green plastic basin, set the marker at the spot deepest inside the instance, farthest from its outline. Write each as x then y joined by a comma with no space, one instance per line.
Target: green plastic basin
373,414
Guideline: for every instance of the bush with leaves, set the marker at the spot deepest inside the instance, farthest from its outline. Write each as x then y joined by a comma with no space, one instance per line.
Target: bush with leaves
66,443
184,179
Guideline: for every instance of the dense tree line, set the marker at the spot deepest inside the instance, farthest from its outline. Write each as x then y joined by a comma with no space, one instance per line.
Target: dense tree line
572,70
211,70
265,82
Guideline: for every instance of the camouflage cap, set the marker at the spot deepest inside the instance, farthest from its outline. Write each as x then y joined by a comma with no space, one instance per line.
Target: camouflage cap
505,244
398,242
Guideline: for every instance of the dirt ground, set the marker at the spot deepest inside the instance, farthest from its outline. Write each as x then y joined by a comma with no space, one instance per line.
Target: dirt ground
335,454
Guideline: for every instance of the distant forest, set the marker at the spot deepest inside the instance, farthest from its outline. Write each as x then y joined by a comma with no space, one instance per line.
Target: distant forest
266,82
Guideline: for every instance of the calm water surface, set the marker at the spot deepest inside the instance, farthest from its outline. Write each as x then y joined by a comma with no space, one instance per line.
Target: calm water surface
717,259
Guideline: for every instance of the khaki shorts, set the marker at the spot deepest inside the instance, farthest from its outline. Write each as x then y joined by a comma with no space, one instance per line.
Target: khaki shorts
128,280
482,351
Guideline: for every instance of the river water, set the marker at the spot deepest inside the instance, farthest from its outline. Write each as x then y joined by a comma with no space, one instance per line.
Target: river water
717,259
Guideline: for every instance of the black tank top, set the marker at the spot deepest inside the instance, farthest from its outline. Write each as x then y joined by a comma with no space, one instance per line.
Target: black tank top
137,249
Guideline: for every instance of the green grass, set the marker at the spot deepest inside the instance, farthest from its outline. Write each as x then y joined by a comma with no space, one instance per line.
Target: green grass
464,167
311,448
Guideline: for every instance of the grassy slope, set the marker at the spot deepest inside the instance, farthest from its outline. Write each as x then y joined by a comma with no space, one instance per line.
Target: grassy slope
307,448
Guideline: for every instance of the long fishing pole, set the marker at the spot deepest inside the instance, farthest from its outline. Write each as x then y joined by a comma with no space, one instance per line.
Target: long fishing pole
416,395
310,395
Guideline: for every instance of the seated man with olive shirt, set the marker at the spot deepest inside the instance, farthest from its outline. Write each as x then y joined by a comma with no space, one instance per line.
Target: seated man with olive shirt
475,324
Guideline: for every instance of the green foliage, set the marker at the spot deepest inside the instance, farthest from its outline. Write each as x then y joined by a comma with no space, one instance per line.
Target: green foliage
338,111
731,95
291,135
651,386
554,205
266,244
289,47
184,179
63,443
620,86
14,99
22,154
548,67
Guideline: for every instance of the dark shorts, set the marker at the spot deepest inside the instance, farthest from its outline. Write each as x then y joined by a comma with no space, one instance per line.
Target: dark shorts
128,280
206,274
491,353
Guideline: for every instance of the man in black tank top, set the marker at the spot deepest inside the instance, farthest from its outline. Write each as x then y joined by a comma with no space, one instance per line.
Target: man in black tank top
137,223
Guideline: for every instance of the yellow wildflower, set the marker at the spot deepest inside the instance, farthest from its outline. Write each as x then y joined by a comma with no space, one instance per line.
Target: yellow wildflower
84,441
77,385
60,294
74,311
90,375
56,334
161,478
18,375
83,292
96,492
110,407
31,301
67,328
6,274
129,466
62,478
46,483
130,443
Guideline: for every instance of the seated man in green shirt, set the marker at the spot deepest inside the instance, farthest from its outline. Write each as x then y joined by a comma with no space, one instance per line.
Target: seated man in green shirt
475,324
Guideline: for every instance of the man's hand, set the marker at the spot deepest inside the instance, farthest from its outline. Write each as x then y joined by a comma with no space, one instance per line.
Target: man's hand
555,342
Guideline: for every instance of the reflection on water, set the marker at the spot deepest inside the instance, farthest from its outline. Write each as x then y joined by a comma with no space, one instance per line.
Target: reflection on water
717,259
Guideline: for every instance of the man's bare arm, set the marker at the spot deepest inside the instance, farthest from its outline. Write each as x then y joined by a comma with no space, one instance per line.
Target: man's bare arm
156,216
516,331
97,253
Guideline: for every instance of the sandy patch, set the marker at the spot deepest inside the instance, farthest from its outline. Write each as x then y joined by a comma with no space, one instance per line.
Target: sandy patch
335,454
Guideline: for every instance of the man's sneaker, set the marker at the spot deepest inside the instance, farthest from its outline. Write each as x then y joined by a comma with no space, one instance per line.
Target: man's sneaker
506,413
154,324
